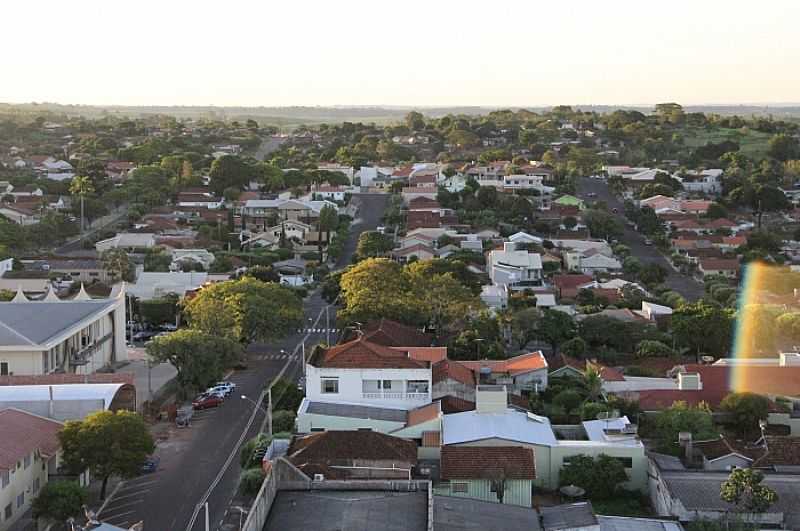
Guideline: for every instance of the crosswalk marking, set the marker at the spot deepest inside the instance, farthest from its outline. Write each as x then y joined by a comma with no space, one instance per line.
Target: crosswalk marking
317,330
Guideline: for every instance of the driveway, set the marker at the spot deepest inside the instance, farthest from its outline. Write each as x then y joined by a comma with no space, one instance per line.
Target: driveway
689,288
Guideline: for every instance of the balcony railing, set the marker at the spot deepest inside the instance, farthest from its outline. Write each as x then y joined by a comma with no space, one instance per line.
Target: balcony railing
83,356
377,395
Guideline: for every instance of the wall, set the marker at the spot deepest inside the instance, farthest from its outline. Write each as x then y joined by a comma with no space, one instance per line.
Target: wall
786,419
307,421
259,511
350,386
517,492
22,481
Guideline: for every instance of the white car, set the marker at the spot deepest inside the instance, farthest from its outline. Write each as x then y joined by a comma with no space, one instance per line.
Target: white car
220,390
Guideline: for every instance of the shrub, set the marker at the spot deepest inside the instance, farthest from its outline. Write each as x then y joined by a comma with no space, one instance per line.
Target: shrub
569,400
251,481
600,476
283,420
247,455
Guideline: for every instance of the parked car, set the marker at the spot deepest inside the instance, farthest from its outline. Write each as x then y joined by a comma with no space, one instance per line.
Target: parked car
648,241
151,464
220,390
228,386
143,335
168,327
591,194
206,401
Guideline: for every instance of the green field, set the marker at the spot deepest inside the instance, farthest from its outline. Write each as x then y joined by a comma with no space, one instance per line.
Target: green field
752,143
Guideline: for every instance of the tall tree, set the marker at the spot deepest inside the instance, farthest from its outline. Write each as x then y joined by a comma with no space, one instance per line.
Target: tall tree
328,222
108,444
703,327
116,262
59,501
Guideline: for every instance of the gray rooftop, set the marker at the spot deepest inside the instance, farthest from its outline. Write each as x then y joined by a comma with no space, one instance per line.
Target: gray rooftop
33,323
463,514
357,412
568,516
621,523
700,490
348,510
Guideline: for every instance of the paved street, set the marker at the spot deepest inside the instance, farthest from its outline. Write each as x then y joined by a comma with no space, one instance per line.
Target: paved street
686,286
202,461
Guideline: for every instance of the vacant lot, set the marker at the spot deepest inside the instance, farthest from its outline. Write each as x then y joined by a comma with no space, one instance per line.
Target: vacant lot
752,143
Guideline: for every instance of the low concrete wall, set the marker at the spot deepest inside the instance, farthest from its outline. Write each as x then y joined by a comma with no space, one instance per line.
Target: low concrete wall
369,484
259,511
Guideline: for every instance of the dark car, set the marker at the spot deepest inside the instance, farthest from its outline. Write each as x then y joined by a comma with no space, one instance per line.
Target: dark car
151,464
207,401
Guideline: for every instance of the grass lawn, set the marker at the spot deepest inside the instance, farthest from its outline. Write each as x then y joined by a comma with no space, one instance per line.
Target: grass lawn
752,143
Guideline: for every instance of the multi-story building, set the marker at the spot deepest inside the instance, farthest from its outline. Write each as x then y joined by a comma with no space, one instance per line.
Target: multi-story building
516,269
80,335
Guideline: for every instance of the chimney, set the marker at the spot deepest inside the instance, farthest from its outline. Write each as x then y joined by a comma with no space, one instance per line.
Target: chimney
689,381
509,246
685,442
491,399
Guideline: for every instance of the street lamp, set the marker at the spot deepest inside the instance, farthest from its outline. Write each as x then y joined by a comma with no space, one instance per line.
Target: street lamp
267,411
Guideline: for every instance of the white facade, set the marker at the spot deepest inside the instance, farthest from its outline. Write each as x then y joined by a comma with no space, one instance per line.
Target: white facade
386,388
517,269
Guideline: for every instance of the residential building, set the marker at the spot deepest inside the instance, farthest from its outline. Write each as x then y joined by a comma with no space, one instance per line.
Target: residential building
727,267
154,285
591,262
393,334
702,181
18,214
568,286
192,258
410,193
493,424
418,251
516,269
349,455
200,200
477,472
128,241
330,193
81,335
29,453
366,373
86,270
265,213
523,373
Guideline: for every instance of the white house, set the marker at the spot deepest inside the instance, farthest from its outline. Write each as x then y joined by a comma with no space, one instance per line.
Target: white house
366,373
202,257
702,181
493,423
80,335
590,263
517,269
130,241
154,285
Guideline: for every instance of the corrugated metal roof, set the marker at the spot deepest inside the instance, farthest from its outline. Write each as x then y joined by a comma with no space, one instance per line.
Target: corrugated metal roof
511,426
34,323
41,393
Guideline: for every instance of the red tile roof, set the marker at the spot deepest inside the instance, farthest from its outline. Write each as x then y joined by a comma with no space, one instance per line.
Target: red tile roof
422,203
364,354
571,281
431,354
423,414
393,334
487,462
453,404
452,370
719,264
521,364
423,219
24,433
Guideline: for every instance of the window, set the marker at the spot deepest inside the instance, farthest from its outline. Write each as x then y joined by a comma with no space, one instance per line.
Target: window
20,500
27,461
459,487
36,485
385,384
417,386
8,511
330,385
5,479
627,462
3,368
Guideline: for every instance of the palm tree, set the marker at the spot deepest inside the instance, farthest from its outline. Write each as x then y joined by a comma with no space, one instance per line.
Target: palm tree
81,186
593,382
328,220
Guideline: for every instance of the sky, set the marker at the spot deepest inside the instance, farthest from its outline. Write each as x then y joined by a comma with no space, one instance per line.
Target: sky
416,52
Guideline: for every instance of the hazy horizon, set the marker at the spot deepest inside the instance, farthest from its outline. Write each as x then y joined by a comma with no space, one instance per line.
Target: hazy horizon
425,54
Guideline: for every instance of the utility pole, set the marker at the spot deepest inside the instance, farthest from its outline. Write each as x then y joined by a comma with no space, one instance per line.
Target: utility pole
208,528
328,325
269,410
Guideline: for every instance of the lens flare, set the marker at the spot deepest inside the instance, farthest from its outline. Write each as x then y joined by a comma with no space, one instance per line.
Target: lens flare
766,292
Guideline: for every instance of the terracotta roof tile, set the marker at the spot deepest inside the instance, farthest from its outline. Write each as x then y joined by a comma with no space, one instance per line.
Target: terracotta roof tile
24,433
516,365
361,353
431,354
393,334
423,414
487,462
452,370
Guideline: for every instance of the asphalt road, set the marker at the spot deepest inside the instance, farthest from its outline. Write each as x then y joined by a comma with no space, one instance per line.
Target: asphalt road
76,244
686,286
201,462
